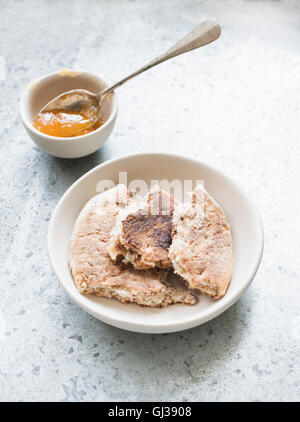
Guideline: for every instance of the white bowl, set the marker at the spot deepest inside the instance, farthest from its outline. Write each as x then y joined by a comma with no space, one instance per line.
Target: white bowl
40,91
246,230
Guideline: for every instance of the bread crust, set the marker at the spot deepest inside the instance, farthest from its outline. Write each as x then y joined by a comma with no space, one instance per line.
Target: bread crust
142,236
201,249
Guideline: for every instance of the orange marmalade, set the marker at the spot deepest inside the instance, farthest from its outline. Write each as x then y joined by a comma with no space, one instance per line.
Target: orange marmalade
64,123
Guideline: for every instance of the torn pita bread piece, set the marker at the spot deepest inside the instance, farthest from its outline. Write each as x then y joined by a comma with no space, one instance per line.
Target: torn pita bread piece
95,273
142,234
201,249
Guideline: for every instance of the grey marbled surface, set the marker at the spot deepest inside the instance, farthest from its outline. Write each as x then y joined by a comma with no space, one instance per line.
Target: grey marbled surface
234,105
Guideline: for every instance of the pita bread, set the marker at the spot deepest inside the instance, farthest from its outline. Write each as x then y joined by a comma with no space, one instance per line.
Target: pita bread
95,273
142,234
201,249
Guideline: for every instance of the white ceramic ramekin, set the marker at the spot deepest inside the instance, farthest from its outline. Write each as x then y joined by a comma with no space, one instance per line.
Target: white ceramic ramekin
40,91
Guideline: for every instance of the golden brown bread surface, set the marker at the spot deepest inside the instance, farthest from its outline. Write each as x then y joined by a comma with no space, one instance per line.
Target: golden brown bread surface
143,236
201,249
95,273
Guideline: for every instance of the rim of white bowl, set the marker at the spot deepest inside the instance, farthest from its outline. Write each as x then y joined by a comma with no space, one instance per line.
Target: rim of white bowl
29,125
161,327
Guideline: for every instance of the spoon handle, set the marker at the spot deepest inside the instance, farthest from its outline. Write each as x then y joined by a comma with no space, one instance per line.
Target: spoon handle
204,33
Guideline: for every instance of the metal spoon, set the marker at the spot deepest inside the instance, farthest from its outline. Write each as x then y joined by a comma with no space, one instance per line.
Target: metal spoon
89,104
